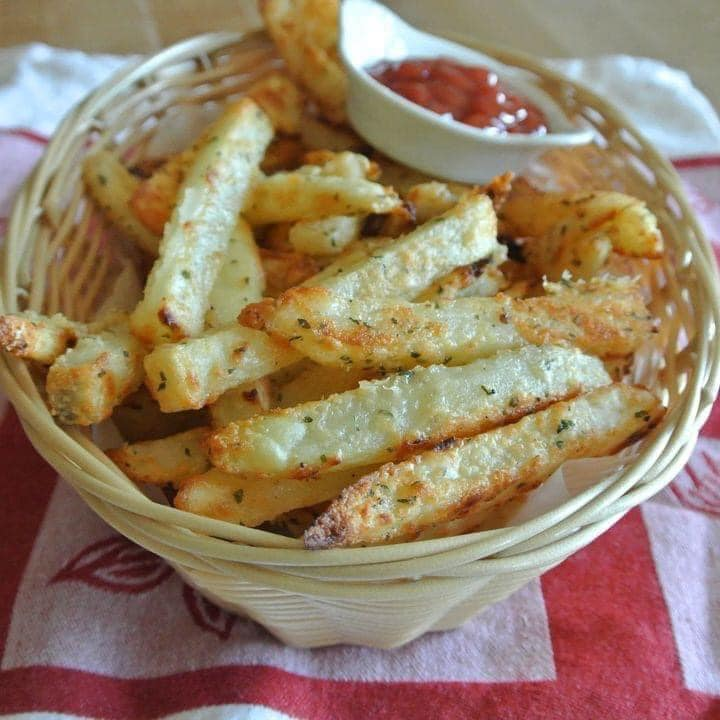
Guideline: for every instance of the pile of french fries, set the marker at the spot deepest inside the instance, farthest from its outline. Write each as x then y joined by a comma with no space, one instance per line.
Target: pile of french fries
318,352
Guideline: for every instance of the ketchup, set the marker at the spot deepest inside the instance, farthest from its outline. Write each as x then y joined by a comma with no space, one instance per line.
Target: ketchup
471,95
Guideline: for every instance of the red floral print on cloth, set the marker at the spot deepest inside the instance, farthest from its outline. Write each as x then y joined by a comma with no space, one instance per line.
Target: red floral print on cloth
207,615
117,565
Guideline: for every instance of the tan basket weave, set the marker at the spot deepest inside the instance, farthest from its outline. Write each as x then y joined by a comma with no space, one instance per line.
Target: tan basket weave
56,258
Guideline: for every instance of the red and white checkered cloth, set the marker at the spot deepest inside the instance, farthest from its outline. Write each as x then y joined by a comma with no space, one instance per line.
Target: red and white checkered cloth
93,626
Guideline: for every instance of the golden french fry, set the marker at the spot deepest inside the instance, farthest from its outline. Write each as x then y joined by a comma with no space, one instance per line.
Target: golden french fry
241,279
309,194
88,381
388,419
626,221
343,164
177,292
154,198
166,460
397,502
603,317
328,236
553,255
316,382
305,35
193,373
405,267
250,501
112,187
33,336
281,99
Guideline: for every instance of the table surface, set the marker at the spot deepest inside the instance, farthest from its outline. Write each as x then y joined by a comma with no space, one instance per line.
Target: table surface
682,34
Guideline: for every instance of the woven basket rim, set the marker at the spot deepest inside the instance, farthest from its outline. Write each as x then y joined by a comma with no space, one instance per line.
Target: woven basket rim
559,525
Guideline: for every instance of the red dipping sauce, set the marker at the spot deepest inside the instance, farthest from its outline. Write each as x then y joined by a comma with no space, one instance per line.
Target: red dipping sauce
471,95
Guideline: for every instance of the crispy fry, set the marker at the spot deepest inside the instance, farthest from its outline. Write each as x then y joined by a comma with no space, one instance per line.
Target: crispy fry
626,221
405,267
604,317
33,336
196,372
328,236
177,292
241,279
397,502
305,34
154,198
306,195
389,419
241,402
316,382
478,279
113,187
554,254
281,99
88,381
252,502
343,164
431,199
167,460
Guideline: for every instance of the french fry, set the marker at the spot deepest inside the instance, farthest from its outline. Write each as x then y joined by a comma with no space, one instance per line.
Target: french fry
626,221
112,187
388,419
603,317
167,460
554,254
405,267
305,35
478,279
177,292
196,372
241,279
88,381
316,382
154,198
397,502
431,199
281,99
241,402
343,164
306,195
33,336
285,269
328,236
250,501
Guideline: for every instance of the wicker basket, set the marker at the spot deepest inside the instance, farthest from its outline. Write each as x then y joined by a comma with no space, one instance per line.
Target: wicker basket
56,258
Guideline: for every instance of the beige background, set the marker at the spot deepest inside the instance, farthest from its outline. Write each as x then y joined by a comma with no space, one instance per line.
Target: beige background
685,34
